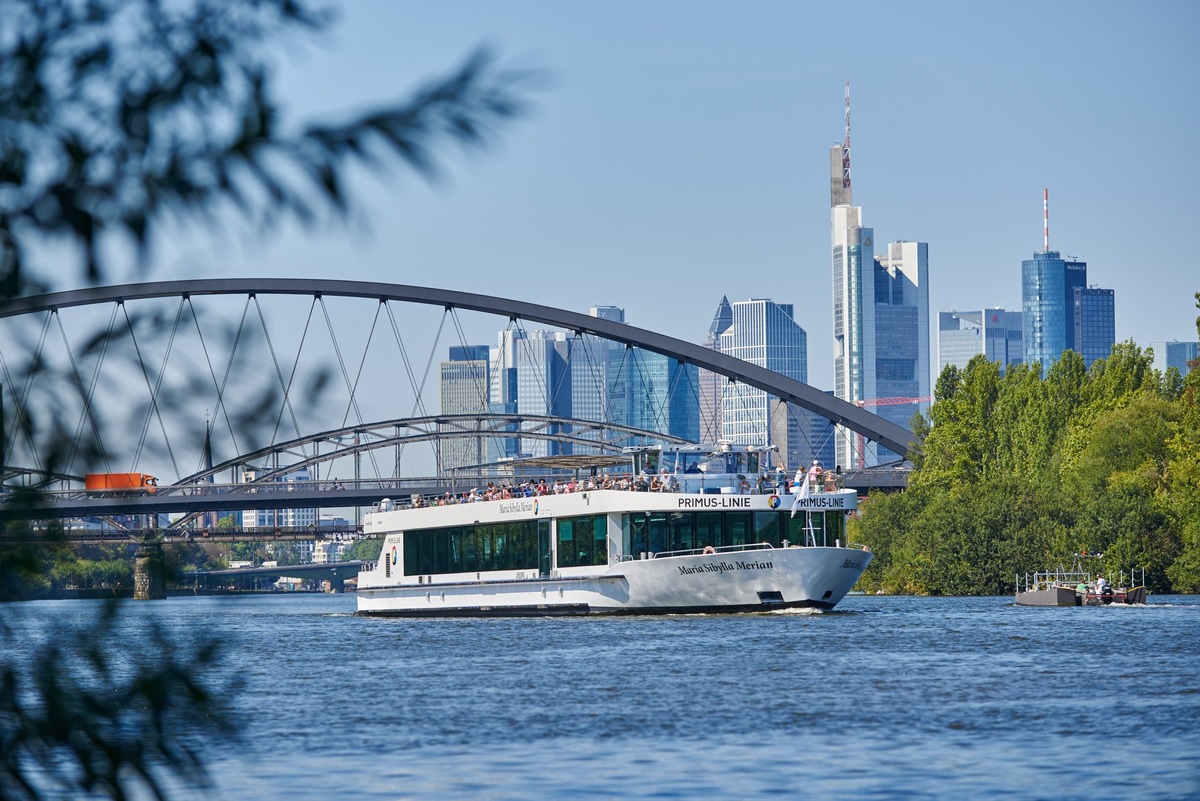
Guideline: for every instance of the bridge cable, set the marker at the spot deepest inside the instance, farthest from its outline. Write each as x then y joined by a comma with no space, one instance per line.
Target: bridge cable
285,385
224,381
86,395
21,421
419,401
358,377
153,409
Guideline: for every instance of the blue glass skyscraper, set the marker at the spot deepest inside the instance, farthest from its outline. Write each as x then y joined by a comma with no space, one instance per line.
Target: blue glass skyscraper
765,333
994,333
1048,284
1095,322
1175,354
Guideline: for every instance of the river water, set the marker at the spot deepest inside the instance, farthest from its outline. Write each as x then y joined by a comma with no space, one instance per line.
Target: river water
886,698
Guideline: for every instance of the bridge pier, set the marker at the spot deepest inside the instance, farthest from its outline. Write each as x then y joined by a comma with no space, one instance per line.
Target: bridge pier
149,579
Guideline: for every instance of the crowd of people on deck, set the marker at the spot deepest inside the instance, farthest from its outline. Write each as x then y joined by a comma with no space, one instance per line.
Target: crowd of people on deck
658,482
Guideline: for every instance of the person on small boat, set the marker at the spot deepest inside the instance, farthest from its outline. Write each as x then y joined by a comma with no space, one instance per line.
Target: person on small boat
1100,583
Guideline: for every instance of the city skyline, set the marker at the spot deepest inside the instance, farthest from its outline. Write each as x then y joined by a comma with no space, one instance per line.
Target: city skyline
693,164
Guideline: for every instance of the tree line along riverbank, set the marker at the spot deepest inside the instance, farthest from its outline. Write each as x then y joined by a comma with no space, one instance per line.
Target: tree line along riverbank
1018,472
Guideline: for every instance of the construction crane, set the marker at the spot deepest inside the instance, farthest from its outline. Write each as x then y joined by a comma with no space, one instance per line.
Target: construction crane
890,401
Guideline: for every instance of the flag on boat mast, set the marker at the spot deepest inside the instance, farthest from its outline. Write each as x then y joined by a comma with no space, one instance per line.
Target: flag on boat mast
803,493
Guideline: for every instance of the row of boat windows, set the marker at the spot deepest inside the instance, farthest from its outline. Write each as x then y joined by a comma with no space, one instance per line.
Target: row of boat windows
660,532
475,548
583,540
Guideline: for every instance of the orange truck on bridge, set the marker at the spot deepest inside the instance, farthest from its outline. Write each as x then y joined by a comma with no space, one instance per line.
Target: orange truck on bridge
120,482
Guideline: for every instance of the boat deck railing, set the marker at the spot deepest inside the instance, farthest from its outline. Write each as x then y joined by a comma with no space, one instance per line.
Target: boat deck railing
1041,580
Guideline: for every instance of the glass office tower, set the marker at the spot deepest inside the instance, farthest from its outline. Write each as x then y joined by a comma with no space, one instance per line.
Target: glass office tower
712,384
463,389
1175,354
994,333
1095,323
1048,284
880,320
765,334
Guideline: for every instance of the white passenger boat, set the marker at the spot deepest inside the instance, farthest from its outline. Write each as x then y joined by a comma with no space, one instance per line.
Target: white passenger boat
721,537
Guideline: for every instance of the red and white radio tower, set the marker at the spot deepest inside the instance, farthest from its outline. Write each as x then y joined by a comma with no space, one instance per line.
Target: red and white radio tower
1045,220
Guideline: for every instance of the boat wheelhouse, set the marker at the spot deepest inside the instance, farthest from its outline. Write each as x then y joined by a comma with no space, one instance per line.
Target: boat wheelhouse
721,538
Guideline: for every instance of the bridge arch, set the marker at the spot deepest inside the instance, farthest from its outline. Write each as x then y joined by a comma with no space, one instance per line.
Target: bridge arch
859,420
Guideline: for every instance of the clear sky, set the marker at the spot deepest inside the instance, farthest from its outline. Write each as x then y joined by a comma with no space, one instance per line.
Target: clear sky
677,151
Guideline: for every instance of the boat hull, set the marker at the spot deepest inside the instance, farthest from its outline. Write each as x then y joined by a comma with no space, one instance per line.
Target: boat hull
1051,596
1067,596
744,581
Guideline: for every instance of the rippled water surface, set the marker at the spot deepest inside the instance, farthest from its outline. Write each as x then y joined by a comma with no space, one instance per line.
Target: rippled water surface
910,698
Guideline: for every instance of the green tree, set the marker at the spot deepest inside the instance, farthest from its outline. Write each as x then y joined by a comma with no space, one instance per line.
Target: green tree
366,550
116,115
1180,495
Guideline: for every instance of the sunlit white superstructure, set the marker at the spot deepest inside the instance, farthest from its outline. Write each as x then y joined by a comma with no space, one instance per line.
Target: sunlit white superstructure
721,536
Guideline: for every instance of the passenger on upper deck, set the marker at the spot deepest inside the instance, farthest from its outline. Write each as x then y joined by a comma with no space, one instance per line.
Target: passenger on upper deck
814,474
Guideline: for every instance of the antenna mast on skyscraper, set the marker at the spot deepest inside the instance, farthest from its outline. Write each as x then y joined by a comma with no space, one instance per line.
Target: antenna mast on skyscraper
846,144
1045,220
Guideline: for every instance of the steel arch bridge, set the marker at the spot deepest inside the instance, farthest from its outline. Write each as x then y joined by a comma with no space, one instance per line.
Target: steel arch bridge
859,420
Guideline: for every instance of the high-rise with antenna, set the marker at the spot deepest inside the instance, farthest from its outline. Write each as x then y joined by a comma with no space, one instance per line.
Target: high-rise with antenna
1059,310
880,308
839,165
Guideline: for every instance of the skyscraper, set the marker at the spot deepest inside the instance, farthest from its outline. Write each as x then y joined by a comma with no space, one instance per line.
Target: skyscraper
464,390
1048,284
1060,311
544,386
995,333
653,392
764,333
502,393
589,368
880,317
1174,354
712,383
1095,323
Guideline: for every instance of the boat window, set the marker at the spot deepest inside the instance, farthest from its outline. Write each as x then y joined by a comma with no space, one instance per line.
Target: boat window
658,532
708,529
644,532
766,527
582,541
472,549
681,531
646,462
738,528
815,528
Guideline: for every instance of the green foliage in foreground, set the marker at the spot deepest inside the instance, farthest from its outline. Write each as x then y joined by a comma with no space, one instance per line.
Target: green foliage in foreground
80,718
1017,473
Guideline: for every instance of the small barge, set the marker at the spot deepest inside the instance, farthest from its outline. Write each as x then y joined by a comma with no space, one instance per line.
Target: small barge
1079,586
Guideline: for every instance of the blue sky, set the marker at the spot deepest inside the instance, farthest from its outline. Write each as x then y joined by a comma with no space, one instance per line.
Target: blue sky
678,151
